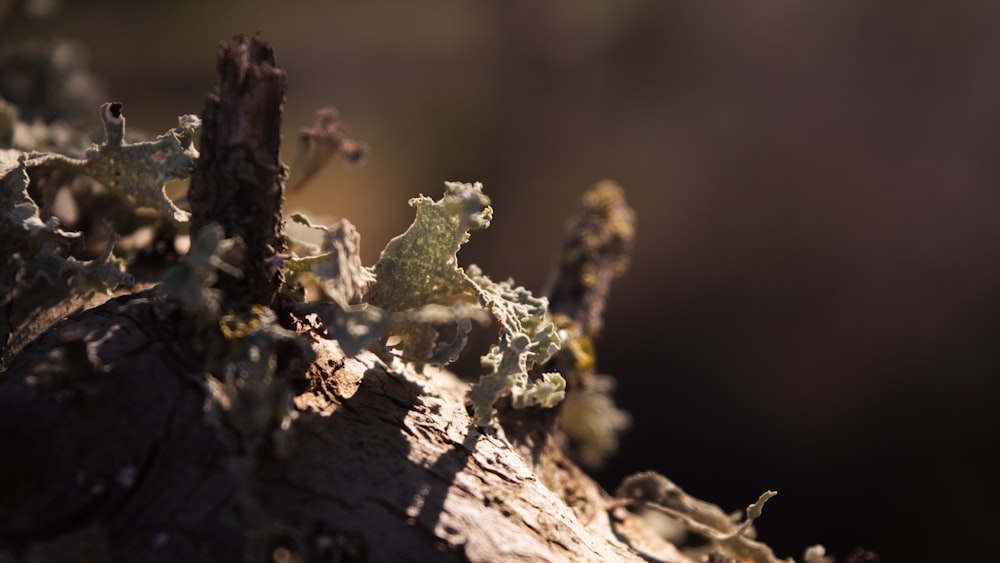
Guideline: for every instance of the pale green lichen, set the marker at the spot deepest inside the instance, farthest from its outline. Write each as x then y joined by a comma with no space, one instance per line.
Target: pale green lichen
28,245
735,539
103,273
337,272
414,288
56,136
33,249
418,288
138,170
592,422
528,337
191,281
330,282
246,395
420,267
34,245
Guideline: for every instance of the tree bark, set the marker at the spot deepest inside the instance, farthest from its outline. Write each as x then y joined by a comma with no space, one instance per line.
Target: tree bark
113,461
238,181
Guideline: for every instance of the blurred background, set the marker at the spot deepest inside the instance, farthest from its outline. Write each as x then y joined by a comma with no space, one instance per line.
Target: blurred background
813,304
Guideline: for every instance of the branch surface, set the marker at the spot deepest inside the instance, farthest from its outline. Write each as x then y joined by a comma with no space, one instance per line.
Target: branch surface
239,179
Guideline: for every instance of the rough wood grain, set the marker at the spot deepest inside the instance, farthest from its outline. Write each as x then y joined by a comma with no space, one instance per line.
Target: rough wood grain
115,461
238,181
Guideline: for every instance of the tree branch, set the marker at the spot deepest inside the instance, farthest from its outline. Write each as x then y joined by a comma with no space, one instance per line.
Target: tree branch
239,180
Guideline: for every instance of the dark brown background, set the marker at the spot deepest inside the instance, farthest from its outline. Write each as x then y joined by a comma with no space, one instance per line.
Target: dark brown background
814,301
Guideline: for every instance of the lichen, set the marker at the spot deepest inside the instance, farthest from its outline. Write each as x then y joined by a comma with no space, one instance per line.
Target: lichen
725,533
329,282
399,306
326,139
248,400
35,245
420,268
417,287
33,249
592,422
528,337
191,282
138,170
28,244
335,272
595,251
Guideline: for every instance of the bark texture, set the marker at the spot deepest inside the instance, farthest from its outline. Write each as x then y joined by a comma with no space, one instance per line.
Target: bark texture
239,180
114,461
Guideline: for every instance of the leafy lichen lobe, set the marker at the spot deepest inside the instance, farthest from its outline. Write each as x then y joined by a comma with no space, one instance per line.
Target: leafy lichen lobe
420,266
419,286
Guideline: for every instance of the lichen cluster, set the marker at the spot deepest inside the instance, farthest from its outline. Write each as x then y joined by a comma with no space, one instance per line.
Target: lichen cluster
70,226
397,307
